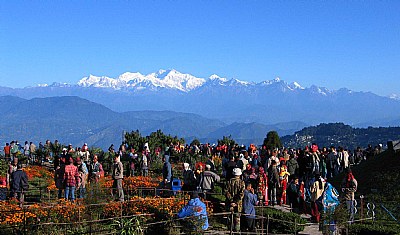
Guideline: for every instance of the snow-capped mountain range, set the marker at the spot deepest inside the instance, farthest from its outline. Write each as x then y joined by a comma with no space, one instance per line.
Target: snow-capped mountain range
229,100
172,79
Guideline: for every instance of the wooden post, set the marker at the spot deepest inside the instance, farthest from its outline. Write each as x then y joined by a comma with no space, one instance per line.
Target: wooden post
231,229
267,224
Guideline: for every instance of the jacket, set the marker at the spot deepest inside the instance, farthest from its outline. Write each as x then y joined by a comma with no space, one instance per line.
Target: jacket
235,192
71,176
167,169
196,208
209,178
249,201
19,181
117,171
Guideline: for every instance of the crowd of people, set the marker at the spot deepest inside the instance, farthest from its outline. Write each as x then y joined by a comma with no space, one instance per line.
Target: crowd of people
253,176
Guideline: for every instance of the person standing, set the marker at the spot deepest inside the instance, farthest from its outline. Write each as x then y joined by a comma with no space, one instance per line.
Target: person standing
117,176
83,174
294,194
209,178
316,190
96,170
189,181
167,172
71,180
234,197
59,177
273,182
349,187
7,152
249,201
19,184
32,151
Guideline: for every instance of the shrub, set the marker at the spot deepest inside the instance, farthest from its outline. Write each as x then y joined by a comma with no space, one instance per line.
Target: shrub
282,222
373,229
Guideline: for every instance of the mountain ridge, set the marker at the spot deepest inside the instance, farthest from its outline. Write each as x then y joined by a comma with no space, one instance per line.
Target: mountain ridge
229,100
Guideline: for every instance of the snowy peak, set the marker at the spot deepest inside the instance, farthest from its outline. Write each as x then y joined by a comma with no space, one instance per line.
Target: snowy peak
295,85
394,97
174,80
320,90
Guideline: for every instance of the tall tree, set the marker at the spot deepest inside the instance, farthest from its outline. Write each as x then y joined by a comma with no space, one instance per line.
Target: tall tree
272,140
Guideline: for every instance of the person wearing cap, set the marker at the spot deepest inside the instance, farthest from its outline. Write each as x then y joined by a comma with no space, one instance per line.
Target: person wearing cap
209,178
117,171
195,208
234,192
83,174
71,180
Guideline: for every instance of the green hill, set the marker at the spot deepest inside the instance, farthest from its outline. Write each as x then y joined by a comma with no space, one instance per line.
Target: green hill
339,134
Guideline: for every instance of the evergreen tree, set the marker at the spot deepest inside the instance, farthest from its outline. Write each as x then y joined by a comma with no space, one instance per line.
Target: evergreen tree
272,140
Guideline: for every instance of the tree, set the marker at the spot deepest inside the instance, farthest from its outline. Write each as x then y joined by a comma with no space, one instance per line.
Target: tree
195,142
227,140
272,140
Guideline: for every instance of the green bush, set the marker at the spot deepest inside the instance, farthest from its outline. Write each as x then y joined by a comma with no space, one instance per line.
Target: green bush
282,222
374,229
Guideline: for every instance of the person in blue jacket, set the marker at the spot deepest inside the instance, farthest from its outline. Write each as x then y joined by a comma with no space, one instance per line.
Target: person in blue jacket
196,208
249,201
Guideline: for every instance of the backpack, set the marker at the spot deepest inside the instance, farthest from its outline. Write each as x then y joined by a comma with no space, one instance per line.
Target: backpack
272,176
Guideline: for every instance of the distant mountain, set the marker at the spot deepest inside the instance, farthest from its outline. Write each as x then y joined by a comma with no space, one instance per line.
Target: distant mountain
229,100
339,134
75,120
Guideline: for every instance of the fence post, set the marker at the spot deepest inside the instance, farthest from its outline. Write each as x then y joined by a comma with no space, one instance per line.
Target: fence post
231,229
267,224
295,226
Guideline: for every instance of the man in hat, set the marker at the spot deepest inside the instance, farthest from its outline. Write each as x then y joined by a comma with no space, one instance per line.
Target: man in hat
234,197
195,208
117,171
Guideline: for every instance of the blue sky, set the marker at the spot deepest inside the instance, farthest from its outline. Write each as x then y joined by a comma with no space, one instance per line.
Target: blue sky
353,44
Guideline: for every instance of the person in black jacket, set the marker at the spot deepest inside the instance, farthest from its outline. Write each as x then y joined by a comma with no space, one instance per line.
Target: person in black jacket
19,184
